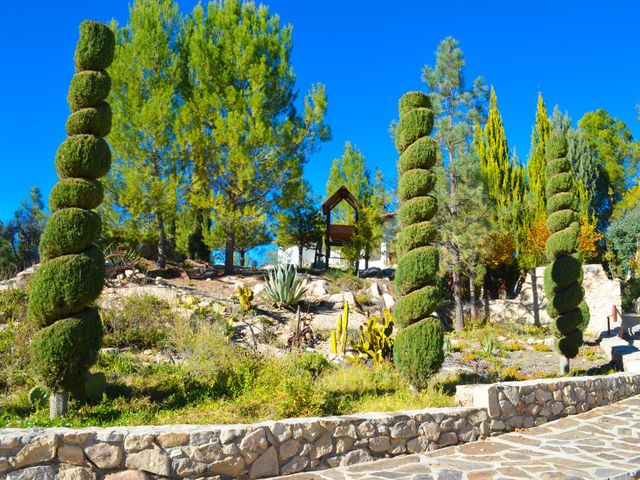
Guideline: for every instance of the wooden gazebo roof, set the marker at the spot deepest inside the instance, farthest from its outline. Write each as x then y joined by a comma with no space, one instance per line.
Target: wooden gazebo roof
342,193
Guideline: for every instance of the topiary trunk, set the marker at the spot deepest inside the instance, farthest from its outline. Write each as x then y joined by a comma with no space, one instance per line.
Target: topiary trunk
418,348
563,277
72,273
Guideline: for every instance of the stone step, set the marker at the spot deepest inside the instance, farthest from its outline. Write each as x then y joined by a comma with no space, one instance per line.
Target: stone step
631,362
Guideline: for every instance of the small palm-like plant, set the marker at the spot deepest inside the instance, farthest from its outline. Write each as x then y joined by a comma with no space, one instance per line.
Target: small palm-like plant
284,288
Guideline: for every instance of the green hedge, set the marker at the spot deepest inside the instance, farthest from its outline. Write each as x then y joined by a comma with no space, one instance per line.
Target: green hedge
570,344
92,120
76,192
416,268
95,48
559,165
562,201
413,125
563,242
84,156
562,273
416,235
415,183
62,353
565,300
88,88
412,100
569,321
556,146
561,182
422,153
65,285
69,230
417,305
560,220
417,210
417,351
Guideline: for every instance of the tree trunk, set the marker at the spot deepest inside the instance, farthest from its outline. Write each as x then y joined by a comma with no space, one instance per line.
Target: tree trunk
242,258
564,365
457,296
300,251
472,294
536,300
162,241
57,404
228,254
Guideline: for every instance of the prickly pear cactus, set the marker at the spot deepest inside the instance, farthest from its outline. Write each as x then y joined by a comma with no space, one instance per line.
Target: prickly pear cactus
71,276
563,277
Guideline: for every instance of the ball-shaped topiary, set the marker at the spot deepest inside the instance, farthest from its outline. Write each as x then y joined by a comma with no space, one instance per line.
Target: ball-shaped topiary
72,273
418,347
563,277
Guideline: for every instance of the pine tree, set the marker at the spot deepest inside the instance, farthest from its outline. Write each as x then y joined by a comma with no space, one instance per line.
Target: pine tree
537,163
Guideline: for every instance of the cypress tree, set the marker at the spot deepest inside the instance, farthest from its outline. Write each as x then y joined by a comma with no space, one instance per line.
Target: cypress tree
72,273
536,165
418,347
563,277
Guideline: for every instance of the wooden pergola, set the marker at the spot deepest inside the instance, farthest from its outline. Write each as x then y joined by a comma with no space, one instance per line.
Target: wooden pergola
339,235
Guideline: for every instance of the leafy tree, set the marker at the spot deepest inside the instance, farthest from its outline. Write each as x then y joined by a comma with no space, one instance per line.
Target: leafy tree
623,238
238,120
252,233
23,231
300,223
456,110
350,171
536,164
617,156
146,178
585,168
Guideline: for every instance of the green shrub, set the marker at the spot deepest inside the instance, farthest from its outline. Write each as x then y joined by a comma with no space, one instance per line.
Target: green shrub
95,48
63,286
415,183
417,351
418,209
283,287
88,88
562,201
91,120
62,353
630,292
559,165
76,192
416,268
560,183
85,156
95,386
556,146
69,230
417,305
413,124
412,100
416,235
420,154
563,242
561,219
13,305
562,273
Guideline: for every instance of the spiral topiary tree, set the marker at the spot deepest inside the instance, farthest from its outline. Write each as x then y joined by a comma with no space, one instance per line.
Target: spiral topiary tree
563,277
71,276
418,346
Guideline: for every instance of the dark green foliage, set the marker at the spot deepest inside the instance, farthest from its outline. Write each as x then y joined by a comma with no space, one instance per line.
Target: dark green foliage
563,278
38,397
561,219
93,120
65,285
417,305
417,351
85,156
415,183
416,235
95,386
416,268
69,230
95,47
76,192
562,273
423,153
63,352
413,100
413,125
419,209
88,88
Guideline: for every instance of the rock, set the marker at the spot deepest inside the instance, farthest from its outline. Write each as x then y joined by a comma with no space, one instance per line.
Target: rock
135,443
318,288
173,439
297,464
258,289
161,282
253,445
33,473
76,473
104,455
71,454
417,445
346,431
8,443
366,429
233,467
344,444
447,438
375,290
127,475
322,447
379,444
265,465
40,450
389,302
404,429
431,431
288,449
152,460
281,431
355,457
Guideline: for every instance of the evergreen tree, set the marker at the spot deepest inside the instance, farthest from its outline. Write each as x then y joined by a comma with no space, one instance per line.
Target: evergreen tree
145,181
24,230
457,109
251,233
238,121
537,163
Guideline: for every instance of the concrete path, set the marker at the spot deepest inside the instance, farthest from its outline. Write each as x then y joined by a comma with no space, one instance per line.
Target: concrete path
603,443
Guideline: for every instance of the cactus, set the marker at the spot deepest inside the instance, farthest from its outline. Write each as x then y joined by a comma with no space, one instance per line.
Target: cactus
374,341
563,277
339,335
245,297
95,386
284,288
72,273
418,352
38,397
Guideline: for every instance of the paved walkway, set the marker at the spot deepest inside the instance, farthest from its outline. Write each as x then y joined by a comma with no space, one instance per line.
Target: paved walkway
603,443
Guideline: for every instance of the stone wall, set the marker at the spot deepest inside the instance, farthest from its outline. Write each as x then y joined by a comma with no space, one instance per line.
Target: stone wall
601,293
293,445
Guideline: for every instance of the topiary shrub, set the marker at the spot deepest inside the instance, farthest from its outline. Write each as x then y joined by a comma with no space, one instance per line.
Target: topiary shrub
417,351
72,273
563,277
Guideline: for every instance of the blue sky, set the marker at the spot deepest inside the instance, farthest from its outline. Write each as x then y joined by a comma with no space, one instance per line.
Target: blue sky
582,55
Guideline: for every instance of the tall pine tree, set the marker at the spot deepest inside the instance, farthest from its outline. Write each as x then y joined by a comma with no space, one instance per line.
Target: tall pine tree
537,163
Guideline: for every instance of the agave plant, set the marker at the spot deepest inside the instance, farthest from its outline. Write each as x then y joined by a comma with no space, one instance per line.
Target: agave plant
284,288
